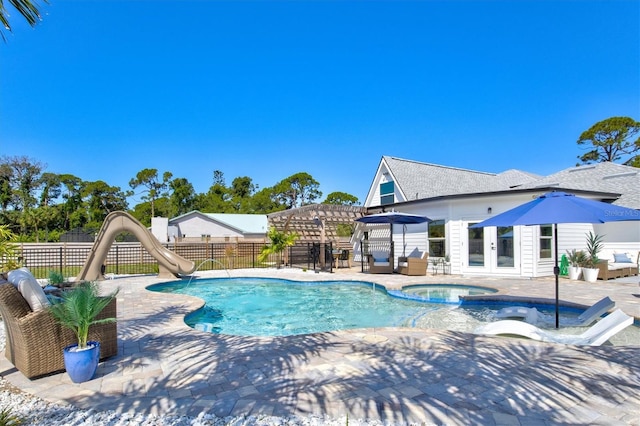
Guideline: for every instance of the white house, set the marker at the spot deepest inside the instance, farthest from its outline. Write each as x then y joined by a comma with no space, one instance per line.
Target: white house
456,198
217,227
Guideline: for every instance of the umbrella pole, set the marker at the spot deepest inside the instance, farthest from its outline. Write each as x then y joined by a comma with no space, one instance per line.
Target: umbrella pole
556,272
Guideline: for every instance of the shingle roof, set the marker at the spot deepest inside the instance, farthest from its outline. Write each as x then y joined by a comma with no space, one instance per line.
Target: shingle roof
603,177
423,180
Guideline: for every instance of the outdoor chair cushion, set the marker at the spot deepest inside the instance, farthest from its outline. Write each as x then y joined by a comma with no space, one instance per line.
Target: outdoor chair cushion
621,258
29,288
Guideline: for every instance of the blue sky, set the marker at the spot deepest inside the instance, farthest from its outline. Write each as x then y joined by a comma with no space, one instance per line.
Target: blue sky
265,89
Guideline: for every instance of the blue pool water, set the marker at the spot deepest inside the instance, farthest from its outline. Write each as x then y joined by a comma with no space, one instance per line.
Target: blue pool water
445,293
277,307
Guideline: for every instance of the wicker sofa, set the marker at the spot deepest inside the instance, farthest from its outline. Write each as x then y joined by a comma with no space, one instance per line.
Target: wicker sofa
35,340
610,265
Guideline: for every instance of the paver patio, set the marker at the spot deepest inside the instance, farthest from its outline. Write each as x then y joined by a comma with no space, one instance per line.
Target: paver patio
395,375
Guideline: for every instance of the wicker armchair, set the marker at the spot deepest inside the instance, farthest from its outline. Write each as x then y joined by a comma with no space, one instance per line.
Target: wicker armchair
380,266
34,340
413,265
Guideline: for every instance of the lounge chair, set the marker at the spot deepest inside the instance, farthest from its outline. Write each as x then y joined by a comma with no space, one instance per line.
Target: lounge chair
596,335
533,316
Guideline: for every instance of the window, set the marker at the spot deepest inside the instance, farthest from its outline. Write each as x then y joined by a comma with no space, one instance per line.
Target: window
386,193
546,238
436,237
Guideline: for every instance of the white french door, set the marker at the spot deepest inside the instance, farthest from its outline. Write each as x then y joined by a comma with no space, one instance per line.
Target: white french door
493,250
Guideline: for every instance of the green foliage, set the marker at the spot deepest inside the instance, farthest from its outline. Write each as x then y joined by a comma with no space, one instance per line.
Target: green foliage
576,257
344,230
27,8
56,278
8,418
8,249
594,246
79,308
155,187
40,206
297,190
611,140
279,242
341,199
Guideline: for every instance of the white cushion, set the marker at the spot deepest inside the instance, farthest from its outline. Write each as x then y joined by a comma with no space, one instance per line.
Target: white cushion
29,288
380,263
404,264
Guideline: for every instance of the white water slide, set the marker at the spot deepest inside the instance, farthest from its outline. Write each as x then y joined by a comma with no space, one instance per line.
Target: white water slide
170,264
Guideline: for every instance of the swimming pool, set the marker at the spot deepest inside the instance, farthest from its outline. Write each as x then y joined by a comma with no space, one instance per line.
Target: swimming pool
278,307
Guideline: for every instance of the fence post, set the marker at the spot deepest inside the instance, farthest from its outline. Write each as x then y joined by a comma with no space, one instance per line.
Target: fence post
117,261
61,261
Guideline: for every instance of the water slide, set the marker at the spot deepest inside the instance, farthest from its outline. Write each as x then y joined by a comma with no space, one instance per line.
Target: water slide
170,264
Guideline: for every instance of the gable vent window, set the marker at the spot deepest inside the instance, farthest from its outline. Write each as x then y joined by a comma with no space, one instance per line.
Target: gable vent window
386,193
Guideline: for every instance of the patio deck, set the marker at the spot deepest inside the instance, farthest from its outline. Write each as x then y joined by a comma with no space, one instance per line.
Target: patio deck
394,375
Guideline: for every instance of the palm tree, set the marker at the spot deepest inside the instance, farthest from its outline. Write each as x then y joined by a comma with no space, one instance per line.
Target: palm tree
279,242
26,8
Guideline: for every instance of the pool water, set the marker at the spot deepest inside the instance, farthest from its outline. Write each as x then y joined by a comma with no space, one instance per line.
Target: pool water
445,293
277,307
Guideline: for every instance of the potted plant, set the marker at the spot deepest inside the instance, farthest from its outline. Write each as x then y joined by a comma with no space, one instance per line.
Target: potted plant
576,259
594,246
77,311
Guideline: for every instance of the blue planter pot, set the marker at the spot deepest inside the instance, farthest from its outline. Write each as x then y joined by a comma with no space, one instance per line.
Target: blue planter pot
82,365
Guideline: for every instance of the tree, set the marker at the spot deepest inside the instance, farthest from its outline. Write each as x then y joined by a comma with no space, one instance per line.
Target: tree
24,176
27,8
612,140
279,242
241,191
51,188
182,196
102,199
73,215
341,199
297,190
156,188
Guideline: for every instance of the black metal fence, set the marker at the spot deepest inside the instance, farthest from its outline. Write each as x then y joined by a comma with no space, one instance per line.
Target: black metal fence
132,258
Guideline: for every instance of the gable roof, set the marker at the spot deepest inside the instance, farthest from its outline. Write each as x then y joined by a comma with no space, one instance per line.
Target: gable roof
418,180
242,223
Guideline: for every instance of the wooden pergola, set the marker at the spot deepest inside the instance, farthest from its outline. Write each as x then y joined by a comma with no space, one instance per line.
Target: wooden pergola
316,222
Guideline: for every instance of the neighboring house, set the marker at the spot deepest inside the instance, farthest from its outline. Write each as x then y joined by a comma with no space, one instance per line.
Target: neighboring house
456,198
216,227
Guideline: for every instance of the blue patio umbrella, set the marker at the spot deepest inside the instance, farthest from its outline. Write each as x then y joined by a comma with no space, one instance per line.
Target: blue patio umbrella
553,208
392,218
